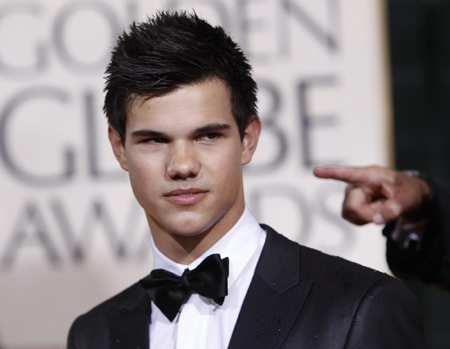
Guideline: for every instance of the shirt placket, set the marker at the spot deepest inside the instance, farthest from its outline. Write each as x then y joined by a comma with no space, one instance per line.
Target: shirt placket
193,324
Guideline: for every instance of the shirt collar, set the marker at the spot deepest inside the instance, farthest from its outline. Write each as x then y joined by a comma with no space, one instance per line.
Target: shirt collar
238,245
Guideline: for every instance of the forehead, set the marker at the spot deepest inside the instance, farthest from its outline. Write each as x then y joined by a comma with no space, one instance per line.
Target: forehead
189,106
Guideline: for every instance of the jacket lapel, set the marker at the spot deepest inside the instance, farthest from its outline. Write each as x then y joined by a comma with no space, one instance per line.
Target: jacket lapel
274,298
129,323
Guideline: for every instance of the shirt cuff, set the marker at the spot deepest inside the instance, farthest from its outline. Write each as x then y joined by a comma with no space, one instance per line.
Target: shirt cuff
408,235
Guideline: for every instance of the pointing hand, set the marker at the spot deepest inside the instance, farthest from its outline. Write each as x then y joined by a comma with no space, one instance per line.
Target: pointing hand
377,194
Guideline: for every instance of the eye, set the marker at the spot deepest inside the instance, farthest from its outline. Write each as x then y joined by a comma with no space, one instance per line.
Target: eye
155,140
209,136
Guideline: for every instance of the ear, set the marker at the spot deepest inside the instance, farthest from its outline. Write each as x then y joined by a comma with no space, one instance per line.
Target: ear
250,141
118,147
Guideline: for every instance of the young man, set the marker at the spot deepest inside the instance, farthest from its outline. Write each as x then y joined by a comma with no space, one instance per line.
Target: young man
181,105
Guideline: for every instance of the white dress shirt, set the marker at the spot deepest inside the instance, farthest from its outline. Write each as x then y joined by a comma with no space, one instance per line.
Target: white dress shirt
201,323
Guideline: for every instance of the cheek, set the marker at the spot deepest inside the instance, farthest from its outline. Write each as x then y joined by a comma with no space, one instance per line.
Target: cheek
144,177
228,171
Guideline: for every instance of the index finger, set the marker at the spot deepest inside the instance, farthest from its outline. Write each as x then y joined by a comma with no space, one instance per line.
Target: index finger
353,175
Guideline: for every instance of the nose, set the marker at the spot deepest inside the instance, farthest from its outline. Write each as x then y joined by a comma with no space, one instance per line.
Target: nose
183,162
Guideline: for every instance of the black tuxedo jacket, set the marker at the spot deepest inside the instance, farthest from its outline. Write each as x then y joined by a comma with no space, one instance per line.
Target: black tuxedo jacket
298,298
431,262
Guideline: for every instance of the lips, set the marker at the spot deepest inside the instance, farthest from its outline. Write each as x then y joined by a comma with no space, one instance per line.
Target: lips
185,196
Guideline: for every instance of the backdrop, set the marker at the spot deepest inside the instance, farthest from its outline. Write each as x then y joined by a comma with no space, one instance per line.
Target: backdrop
72,233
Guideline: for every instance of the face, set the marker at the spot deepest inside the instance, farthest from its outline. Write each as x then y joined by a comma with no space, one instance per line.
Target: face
184,156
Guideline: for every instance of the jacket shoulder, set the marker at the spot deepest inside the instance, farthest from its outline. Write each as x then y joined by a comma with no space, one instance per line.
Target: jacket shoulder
348,305
91,329
320,267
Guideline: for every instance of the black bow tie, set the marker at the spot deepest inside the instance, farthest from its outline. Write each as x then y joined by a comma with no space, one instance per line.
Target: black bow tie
169,291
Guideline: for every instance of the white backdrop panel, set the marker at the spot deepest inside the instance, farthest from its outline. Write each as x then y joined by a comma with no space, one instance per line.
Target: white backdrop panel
71,232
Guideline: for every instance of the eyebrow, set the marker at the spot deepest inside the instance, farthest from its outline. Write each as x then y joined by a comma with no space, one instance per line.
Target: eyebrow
203,129
149,133
212,128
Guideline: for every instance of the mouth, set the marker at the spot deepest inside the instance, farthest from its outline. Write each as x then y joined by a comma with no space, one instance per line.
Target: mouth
185,196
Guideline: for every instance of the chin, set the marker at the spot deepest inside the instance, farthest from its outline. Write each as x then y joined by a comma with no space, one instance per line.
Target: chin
189,222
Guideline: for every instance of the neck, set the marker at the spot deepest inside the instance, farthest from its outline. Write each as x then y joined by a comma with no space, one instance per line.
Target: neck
186,249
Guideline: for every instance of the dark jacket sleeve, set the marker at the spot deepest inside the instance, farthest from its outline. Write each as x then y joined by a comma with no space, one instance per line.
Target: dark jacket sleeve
388,316
430,263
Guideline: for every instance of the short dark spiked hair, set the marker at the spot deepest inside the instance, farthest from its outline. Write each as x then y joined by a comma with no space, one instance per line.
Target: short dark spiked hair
170,50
